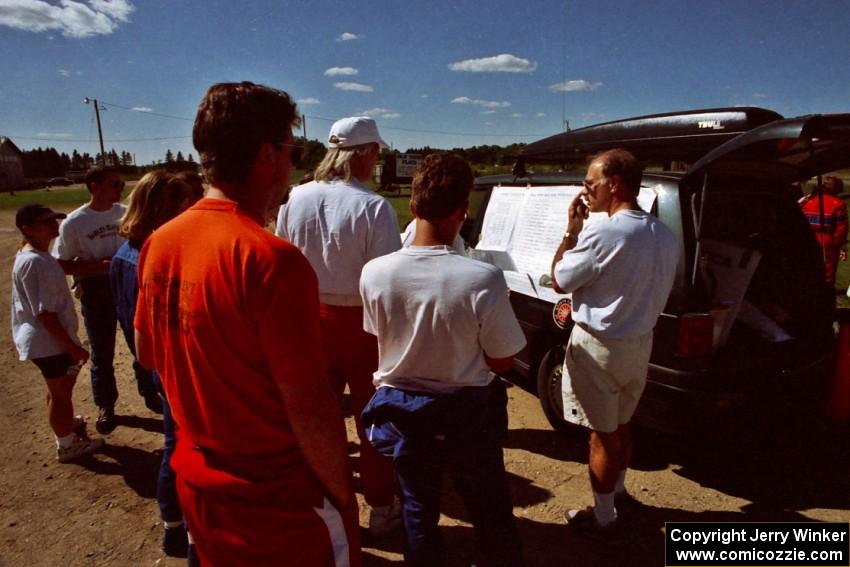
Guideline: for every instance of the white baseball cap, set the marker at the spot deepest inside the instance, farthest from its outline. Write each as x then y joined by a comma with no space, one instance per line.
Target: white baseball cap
354,131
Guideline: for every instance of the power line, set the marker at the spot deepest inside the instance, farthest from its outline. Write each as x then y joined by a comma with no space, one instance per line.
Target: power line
443,132
412,130
151,112
92,141
323,118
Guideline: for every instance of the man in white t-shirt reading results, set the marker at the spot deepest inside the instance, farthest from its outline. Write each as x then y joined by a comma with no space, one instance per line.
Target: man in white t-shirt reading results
443,322
620,270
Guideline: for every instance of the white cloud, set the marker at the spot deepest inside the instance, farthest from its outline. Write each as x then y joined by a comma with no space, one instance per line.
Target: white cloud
759,95
574,86
517,115
348,36
423,96
479,102
540,115
72,18
309,100
141,109
65,72
488,112
334,71
359,87
119,9
504,63
381,113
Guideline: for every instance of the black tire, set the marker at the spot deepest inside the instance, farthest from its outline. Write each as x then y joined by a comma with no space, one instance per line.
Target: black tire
549,374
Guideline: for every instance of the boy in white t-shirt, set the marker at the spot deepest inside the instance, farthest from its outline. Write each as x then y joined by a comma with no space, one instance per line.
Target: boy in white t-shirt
444,324
44,327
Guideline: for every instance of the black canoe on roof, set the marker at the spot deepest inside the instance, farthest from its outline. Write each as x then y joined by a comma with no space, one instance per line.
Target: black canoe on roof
673,136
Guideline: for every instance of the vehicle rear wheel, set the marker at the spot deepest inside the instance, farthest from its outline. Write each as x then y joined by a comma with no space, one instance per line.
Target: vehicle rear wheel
549,376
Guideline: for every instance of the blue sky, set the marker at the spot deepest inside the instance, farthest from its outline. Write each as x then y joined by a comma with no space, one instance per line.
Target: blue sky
444,74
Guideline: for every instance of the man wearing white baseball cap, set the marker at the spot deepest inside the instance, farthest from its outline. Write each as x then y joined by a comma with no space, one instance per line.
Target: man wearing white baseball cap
340,224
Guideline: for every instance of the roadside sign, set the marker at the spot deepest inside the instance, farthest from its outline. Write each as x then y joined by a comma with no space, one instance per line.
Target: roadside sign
406,164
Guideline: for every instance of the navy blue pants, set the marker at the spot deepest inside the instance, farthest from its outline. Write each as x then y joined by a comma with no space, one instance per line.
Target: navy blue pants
166,484
101,324
461,435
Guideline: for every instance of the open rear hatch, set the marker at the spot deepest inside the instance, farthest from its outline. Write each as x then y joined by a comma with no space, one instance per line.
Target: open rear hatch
745,216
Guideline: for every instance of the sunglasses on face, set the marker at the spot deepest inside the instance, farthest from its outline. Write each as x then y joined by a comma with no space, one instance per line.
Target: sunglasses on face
591,184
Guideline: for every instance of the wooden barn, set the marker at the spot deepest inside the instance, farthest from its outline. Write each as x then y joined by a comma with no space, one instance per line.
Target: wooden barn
11,165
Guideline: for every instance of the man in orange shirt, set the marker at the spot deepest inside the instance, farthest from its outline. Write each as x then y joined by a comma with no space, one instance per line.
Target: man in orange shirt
827,215
228,314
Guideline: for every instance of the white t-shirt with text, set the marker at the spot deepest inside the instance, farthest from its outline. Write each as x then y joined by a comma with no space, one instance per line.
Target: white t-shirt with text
90,235
436,313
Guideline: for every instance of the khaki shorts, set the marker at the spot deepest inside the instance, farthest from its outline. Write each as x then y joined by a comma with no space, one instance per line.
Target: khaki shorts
604,379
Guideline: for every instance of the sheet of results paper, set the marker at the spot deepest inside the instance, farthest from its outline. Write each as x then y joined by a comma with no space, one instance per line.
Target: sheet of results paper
540,226
522,229
500,218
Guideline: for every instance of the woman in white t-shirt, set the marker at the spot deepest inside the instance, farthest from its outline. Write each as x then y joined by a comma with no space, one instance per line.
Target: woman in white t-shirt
44,327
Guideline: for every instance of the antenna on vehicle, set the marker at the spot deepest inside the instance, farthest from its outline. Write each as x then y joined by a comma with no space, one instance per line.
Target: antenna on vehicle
564,120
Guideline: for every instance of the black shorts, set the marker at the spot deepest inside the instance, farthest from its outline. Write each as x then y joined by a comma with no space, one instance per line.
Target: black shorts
55,366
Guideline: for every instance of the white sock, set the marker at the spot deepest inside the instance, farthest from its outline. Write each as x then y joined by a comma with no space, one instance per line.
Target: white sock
66,441
604,508
620,487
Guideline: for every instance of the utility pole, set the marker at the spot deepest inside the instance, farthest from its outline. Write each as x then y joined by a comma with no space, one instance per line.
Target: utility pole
304,127
88,100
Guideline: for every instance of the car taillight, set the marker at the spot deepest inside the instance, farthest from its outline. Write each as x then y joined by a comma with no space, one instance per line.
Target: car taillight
696,335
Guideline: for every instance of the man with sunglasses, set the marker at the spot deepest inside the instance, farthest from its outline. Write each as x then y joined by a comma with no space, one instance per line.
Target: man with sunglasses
88,239
619,269
228,314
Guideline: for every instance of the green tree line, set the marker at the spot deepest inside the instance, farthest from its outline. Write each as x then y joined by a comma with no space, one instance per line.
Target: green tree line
48,162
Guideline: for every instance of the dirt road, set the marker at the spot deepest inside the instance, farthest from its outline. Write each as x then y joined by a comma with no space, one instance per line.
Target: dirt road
102,511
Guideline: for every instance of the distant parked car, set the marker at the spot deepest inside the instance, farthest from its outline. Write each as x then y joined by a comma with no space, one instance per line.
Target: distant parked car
58,181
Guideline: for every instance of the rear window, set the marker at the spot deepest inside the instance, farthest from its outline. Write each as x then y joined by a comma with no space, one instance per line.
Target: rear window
788,284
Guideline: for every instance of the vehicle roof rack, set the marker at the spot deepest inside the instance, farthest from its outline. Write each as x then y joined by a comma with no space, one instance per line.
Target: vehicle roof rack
672,136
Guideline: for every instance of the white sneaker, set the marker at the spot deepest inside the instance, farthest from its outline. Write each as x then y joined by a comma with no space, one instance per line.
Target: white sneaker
79,447
385,519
